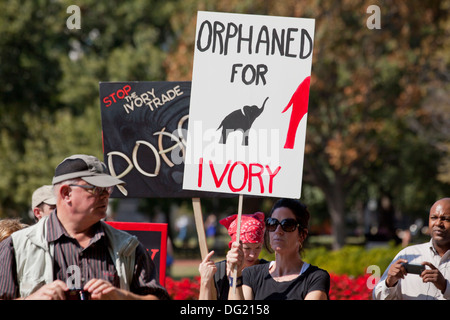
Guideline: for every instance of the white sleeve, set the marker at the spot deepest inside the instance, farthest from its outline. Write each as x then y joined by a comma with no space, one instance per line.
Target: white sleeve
382,291
447,291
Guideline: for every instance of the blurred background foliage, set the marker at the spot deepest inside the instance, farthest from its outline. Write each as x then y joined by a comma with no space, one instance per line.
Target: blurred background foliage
379,112
350,259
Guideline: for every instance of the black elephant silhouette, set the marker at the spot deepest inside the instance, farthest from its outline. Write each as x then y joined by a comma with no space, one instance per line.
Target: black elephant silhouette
242,120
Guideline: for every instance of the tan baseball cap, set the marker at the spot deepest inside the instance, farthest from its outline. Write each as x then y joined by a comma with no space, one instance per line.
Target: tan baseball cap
88,168
43,194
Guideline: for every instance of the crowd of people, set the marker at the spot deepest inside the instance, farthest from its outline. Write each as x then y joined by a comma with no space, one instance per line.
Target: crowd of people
70,252
288,277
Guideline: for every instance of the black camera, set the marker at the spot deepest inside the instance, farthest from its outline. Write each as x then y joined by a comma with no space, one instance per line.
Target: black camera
77,294
414,268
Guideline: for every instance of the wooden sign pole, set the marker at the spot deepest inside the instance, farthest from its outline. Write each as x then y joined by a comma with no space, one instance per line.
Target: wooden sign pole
198,216
238,236
200,228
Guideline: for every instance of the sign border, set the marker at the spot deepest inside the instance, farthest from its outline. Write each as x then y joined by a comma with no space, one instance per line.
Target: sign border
148,226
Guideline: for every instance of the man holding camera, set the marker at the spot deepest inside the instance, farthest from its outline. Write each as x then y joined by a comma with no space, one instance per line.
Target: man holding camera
73,250
421,272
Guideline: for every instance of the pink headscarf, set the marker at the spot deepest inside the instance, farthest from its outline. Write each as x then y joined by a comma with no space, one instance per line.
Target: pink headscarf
252,227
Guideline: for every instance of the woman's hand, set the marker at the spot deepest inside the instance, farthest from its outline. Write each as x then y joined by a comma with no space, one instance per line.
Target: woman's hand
235,259
207,268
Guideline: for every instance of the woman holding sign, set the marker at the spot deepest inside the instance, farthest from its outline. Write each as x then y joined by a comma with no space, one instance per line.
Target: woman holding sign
288,277
252,239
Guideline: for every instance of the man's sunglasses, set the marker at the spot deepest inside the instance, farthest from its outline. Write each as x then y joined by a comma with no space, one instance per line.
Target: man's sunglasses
288,225
93,189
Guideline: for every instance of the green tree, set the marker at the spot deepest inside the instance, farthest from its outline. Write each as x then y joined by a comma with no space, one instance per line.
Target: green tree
31,42
366,100
376,122
367,92
49,103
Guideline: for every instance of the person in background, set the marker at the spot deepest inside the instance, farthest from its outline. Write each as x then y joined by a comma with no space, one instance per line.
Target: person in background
43,202
9,226
73,250
215,277
433,282
288,277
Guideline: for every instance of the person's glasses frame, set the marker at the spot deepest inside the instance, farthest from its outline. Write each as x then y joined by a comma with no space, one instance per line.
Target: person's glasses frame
94,189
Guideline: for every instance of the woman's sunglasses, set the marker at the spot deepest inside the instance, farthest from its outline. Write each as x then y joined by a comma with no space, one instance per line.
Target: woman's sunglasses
288,225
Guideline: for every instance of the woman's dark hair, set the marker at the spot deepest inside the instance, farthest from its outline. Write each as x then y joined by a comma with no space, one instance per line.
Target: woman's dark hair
300,212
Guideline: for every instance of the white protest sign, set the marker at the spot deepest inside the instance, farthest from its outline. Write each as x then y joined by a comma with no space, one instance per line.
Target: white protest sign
249,99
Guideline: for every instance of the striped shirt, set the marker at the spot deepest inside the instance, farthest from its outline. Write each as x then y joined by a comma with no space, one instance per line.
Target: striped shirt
92,262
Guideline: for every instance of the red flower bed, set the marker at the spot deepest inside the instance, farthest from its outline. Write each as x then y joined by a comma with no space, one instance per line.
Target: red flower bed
184,289
343,287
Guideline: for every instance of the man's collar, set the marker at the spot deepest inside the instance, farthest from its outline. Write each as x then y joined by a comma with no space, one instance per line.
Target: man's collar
56,229
433,249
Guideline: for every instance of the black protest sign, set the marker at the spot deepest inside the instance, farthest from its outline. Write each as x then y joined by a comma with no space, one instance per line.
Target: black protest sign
144,130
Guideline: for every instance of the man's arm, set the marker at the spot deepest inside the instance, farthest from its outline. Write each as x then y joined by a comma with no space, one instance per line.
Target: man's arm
103,290
388,288
434,276
145,281
50,291
9,288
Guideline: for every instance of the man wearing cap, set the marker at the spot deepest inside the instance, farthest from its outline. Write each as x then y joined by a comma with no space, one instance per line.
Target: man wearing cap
73,249
43,202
